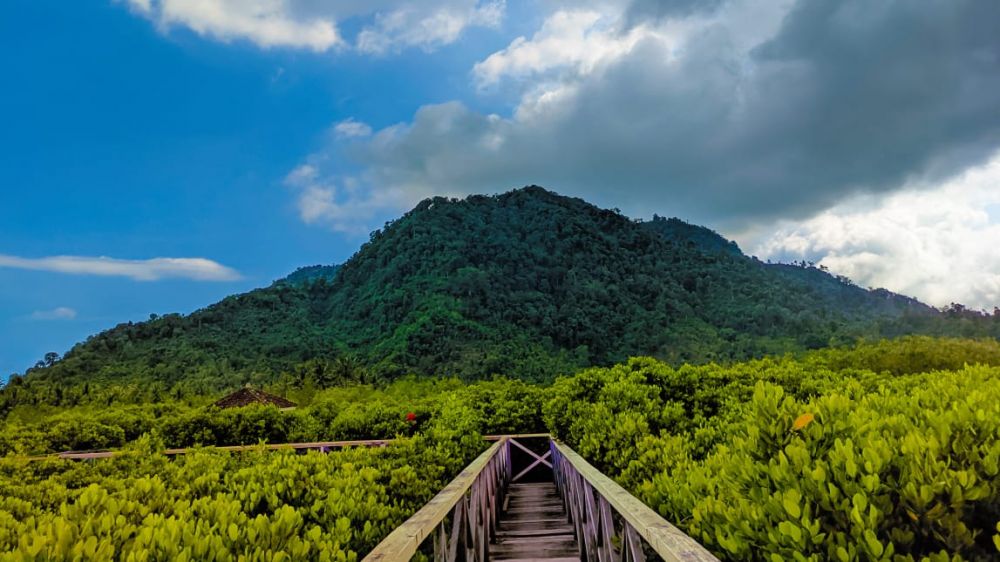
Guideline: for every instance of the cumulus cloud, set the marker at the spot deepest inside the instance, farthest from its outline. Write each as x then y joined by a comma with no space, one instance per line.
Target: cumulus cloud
58,313
306,24
938,243
417,25
198,269
577,40
344,205
739,112
267,23
349,128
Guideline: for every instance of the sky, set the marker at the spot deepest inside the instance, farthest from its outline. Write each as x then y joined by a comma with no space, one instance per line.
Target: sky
158,155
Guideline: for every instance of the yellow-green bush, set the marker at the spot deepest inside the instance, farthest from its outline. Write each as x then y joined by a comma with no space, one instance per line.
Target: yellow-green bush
210,505
790,460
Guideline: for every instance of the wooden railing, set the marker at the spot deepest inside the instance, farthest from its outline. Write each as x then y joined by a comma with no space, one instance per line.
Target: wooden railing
462,518
593,501
321,446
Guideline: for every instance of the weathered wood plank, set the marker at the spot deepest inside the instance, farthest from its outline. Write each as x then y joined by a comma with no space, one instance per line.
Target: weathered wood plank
516,436
536,531
535,545
564,559
668,541
537,499
535,527
533,523
541,550
317,445
543,512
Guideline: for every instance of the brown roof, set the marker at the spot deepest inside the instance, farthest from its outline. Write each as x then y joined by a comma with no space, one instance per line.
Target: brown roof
247,396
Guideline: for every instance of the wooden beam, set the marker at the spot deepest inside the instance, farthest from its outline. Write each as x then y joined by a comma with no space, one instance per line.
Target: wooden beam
532,453
538,461
318,445
672,544
517,436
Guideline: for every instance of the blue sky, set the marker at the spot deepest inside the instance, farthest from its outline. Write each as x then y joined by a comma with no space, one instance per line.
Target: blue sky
245,141
122,141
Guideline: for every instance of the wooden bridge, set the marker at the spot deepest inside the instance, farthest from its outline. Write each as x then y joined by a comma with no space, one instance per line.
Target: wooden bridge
531,498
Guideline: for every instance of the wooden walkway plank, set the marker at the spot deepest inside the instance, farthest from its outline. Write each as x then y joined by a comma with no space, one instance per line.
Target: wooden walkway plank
535,526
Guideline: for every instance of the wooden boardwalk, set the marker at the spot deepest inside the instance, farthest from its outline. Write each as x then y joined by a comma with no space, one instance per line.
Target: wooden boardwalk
534,526
490,512
516,503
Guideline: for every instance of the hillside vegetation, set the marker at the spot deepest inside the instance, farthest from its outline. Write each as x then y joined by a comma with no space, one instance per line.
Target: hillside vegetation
529,284
889,451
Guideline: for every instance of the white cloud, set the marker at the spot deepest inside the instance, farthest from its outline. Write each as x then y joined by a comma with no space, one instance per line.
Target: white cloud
577,40
315,25
198,269
349,128
58,313
426,27
939,244
266,23
344,206
141,6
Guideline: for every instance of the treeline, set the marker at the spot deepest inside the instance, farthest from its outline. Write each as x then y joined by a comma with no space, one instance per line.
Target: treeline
337,404
344,413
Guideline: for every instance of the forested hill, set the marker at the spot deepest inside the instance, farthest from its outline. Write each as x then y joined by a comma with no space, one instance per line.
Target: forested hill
528,283
311,273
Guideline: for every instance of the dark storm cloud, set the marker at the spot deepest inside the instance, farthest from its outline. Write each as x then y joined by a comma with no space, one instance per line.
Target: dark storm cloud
847,96
873,92
640,11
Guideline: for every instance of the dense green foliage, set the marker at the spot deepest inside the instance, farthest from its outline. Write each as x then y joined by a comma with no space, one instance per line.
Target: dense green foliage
310,274
260,505
529,284
215,506
819,459
886,451
344,413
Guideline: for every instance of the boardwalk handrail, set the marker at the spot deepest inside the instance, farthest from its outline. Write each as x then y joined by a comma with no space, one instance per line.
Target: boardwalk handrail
321,446
473,499
590,496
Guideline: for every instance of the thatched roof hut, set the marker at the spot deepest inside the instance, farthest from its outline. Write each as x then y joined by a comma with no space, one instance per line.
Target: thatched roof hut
247,395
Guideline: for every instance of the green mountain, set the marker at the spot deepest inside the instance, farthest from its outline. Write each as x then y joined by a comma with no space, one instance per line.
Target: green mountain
308,274
528,283
690,235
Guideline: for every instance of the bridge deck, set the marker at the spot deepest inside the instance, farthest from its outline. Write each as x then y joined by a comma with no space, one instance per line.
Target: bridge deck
488,513
534,526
